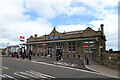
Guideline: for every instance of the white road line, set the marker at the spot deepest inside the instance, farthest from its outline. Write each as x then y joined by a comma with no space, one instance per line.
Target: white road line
21,75
38,75
42,74
72,68
24,73
63,67
9,76
2,76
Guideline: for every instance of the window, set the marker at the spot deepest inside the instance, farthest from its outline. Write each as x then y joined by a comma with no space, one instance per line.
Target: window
90,46
59,44
69,43
73,43
71,46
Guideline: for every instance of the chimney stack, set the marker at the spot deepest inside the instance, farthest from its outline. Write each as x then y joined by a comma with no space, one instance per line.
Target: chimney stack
102,29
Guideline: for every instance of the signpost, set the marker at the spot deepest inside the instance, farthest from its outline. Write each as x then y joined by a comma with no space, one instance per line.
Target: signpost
22,38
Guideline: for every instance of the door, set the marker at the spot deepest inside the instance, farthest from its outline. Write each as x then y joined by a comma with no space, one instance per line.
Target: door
50,51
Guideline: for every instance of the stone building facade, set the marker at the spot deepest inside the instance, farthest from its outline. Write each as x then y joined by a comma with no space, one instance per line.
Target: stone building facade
73,43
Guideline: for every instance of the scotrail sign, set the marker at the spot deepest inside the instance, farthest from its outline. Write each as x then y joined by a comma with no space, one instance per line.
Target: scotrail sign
22,38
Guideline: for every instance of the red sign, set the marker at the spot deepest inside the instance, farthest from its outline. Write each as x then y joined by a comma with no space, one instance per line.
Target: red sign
85,45
43,44
22,37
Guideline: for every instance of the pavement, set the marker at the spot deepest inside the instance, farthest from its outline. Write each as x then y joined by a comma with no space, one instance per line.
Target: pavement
80,64
103,69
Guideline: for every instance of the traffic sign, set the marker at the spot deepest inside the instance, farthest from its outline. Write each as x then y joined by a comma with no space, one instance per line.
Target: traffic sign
85,46
43,44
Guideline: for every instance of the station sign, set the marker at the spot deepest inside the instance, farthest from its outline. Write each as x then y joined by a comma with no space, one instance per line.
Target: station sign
85,46
54,37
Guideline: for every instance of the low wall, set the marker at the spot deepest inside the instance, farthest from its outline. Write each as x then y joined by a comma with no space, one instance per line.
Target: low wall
111,60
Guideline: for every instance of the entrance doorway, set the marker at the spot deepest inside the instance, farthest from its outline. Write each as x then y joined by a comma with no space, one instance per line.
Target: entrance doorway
58,47
49,51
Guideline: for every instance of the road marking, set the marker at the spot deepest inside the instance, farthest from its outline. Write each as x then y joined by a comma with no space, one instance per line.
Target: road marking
5,67
2,76
74,69
9,76
65,64
36,74
27,74
33,74
42,74
20,75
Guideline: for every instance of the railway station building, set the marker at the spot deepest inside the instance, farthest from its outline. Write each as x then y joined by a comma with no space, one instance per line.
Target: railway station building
73,44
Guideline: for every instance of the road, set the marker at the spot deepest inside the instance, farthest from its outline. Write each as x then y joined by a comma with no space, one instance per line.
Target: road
17,69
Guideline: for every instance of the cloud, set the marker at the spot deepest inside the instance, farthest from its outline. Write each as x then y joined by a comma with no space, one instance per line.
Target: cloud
14,23
110,22
68,28
51,9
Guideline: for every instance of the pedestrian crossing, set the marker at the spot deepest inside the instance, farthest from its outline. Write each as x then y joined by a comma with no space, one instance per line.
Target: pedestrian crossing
28,75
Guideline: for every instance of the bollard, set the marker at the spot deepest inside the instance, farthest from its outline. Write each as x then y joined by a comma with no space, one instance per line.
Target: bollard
87,61
12,56
57,58
67,55
23,57
50,55
74,56
37,54
45,55
17,56
29,57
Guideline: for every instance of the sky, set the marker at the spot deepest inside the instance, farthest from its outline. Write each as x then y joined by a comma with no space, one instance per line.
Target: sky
29,17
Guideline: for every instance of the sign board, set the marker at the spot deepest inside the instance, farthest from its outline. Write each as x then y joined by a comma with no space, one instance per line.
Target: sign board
22,38
85,46
100,46
54,37
43,44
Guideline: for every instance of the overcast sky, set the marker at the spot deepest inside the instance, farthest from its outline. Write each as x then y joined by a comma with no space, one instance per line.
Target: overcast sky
29,17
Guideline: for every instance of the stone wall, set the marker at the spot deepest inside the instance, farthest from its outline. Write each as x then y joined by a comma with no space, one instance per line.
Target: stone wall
111,60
